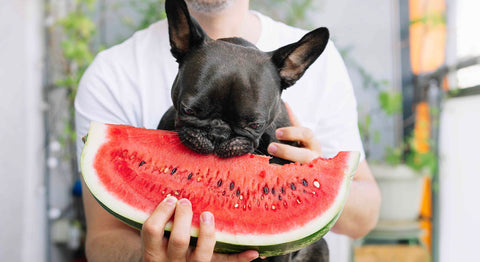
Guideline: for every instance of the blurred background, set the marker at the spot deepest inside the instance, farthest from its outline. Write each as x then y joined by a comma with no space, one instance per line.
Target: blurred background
415,69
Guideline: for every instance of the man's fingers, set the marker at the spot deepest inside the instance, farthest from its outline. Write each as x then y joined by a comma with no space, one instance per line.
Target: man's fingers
301,134
206,238
153,230
292,153
180,236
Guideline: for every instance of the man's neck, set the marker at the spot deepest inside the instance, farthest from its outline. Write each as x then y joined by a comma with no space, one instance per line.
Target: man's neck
233,21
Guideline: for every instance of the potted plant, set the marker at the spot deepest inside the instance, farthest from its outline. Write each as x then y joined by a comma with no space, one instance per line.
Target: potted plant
401,171
400,174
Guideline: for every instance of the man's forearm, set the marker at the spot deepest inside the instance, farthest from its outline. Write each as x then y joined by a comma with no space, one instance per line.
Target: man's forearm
115,246
360,214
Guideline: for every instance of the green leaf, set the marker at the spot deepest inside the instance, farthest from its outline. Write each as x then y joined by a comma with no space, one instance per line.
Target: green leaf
426,162
376,137
390,102
393,156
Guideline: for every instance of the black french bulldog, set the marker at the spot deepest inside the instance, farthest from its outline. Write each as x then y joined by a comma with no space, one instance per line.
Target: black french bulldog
226,96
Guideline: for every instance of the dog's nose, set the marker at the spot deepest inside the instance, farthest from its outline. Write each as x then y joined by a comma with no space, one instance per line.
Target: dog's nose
217,123
219,131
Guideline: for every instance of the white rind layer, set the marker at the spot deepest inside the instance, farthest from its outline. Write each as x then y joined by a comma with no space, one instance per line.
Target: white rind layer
97,136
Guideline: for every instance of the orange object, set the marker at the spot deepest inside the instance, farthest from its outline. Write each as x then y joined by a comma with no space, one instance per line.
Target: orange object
421,135
427,53
426,213
426,205
427,35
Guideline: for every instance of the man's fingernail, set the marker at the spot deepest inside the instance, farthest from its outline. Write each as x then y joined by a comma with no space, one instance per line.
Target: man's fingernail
207,218
252,256
279,133
272,149
171,200
184,202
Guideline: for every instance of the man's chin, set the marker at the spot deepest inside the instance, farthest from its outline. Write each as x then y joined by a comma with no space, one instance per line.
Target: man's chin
209,6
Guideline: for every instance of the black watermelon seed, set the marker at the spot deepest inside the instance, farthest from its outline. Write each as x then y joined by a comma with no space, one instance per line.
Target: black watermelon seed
232,185
265,190
283,190
190,176
279,197
219,183
142,163
304,182
292,186
173,171
238,192
273,191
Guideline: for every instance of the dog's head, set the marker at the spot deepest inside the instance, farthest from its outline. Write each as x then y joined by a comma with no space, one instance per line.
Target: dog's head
227,92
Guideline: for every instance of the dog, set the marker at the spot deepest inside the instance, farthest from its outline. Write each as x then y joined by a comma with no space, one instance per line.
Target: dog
227,93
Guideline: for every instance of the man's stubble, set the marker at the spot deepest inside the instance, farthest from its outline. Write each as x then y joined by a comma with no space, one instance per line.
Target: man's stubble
209,6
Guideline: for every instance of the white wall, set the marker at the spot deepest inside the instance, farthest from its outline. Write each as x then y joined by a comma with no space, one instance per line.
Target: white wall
22,212
459,179
459,211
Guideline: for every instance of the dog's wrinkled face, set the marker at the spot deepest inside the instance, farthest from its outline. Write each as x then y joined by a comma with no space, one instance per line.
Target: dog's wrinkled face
222,106
226,96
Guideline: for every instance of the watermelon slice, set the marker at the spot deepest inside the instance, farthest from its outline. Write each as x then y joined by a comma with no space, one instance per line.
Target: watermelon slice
270,208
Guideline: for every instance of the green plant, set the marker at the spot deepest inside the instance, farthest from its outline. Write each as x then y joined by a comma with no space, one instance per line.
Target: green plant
389,101
150,10
409,151
75,32
292,12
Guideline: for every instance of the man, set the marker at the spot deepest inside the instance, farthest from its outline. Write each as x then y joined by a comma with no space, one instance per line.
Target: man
129,84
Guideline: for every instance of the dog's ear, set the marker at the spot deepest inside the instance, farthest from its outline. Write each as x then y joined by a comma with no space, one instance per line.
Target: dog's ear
184,31
293,60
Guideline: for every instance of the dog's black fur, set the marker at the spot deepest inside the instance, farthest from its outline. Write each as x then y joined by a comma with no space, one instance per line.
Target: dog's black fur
226,96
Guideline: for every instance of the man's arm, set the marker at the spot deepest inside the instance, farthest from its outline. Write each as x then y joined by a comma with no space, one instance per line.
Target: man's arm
108,239
360,214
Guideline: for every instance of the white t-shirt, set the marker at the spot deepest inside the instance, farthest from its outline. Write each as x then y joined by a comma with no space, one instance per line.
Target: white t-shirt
130,84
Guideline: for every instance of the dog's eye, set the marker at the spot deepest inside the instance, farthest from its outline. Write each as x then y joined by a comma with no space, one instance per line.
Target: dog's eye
254,125
188,111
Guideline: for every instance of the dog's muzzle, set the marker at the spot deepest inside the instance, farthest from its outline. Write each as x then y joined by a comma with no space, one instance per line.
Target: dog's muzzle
217,139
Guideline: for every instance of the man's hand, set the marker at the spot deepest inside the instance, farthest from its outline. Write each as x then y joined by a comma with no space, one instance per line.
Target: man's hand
360,214
310,146
156,247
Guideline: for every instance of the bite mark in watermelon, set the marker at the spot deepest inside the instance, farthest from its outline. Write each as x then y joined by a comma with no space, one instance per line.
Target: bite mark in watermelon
270,208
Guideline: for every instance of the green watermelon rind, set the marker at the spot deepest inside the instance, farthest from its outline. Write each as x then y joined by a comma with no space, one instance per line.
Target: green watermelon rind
267,251
226,246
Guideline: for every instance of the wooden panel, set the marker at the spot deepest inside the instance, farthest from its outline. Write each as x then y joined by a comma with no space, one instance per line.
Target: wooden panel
390,253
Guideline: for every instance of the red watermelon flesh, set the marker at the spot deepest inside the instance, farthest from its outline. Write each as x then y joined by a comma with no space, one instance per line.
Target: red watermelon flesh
130,170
